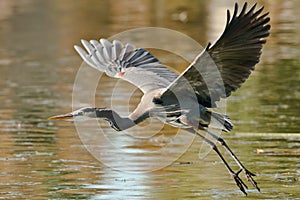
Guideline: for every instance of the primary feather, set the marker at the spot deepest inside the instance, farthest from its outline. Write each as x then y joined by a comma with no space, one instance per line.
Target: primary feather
222,68
137,66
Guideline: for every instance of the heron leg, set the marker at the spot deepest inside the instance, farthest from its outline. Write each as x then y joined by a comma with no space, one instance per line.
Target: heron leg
249,174
234,175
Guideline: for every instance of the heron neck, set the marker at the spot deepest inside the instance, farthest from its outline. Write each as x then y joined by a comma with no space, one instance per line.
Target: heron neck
116,121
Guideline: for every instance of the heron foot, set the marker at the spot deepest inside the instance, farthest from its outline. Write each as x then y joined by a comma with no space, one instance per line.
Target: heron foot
242,186
249,176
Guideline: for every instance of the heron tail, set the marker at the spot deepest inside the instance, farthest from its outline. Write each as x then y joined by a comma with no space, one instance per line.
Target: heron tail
220,121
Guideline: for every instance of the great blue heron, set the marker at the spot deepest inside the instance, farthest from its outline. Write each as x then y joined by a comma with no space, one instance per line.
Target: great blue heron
234,54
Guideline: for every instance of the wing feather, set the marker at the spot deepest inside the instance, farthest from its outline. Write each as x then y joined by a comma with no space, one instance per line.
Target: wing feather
137,66
222,67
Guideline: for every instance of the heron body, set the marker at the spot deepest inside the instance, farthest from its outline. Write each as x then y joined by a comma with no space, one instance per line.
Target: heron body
183,100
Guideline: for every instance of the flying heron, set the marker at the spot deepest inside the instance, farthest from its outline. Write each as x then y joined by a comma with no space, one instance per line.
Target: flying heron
234,54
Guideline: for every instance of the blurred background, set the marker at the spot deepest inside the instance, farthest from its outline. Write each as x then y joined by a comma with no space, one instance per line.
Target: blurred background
45,160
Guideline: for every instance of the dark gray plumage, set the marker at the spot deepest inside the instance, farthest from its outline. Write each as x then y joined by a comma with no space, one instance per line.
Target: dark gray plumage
225,65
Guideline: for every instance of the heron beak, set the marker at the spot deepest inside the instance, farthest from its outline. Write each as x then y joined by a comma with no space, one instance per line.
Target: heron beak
62,117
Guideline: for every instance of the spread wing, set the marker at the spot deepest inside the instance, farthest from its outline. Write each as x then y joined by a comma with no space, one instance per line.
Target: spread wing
136,66
221,68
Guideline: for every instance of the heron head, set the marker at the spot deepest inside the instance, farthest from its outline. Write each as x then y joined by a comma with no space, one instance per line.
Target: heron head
81,114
